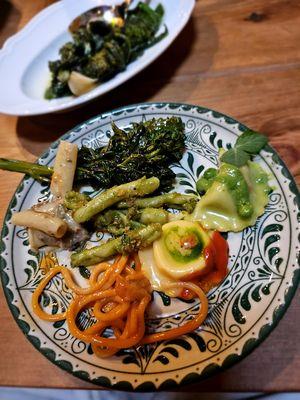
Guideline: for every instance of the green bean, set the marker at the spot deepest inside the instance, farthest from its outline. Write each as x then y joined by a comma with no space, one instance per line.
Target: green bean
173,200
152,215
125,244
106,199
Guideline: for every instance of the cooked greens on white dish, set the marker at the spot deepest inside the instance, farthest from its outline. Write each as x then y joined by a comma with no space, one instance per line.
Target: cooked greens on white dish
100,49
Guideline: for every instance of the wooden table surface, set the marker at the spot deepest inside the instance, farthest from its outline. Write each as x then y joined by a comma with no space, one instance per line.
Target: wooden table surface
239,57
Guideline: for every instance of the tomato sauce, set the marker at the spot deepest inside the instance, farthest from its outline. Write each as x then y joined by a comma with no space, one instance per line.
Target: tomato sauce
216,256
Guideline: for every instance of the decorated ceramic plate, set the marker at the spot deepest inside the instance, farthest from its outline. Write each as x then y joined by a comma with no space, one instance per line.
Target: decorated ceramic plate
243,309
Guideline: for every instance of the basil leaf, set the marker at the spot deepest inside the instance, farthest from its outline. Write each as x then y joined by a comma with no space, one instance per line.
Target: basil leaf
251,142
236,157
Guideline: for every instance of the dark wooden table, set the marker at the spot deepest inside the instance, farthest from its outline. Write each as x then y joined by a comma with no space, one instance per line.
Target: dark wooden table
239,57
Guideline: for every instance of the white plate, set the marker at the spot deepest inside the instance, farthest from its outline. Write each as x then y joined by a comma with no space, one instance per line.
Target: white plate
24,73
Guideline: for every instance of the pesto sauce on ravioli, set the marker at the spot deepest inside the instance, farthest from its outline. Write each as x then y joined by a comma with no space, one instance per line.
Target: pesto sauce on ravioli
183,244
234,197
236,184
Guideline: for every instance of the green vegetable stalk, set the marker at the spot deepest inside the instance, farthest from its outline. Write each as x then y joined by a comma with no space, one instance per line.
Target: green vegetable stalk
118,231
39,172
111,217
140,187
172,200
152,215
125,244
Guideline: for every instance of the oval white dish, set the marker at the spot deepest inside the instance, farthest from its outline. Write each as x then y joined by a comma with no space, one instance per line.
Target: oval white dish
24,57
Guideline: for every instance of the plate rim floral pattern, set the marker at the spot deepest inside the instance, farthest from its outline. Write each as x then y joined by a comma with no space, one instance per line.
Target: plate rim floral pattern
191,377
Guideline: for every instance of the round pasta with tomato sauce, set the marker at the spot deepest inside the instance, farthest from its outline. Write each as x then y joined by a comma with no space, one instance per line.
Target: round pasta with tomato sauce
185,252
118,295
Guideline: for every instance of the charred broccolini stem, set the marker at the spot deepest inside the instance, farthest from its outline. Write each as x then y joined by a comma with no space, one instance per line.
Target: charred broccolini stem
111,217
39,172
118,231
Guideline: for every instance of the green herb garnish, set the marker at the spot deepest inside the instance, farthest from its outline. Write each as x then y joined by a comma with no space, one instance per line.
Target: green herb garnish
248,144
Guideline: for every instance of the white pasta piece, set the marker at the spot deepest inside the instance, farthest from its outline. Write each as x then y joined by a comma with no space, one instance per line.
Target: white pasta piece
51,225
80,84
38,239
64,169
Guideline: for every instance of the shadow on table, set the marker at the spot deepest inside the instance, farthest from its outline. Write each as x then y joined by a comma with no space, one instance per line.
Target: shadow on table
148,85
9,20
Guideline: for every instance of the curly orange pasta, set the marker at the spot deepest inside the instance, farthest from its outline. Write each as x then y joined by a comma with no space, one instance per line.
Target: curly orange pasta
118,295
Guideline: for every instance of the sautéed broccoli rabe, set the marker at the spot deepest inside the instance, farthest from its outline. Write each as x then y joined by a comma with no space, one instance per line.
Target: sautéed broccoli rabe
99,50
235,195
146,148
